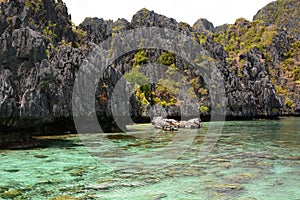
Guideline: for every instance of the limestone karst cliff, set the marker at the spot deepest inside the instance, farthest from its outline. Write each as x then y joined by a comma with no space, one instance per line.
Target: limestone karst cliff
41,52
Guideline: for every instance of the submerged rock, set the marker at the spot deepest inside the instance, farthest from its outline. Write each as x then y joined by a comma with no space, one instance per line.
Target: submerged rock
11,194
226,187
63,198
157,196
241,178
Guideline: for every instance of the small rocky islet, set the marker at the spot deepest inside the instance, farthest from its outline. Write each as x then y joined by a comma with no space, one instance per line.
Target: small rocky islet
173,125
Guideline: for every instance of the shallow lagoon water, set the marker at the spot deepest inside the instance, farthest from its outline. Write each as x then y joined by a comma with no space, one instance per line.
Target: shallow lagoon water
251,160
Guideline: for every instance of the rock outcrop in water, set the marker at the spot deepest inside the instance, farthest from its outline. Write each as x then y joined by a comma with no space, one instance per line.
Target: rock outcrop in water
41,52
173,125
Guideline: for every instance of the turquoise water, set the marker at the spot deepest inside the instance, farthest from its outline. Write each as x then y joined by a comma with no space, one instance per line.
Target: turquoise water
249,160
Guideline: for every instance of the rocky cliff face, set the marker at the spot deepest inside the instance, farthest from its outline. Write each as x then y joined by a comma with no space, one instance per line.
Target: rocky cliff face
41,52
99,30
250,94
284,51
283,14
279,56
38,65
47,17
203,25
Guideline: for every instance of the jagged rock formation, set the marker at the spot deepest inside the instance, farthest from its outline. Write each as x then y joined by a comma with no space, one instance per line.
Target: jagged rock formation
47,17
277,53
33,86
146,18
221,28
284,51
250,95
37,71
41,52
203,25
99,30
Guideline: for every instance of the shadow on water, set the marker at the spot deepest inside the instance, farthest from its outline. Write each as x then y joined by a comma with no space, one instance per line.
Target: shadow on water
73,141
120,137
59,143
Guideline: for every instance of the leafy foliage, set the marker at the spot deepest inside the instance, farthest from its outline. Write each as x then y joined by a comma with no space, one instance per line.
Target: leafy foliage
140,84
139,58
136,78
49,32
204,109
166,58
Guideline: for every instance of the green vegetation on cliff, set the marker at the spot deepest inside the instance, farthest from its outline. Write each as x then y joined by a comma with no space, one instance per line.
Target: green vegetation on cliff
55,29
275,31
242,36
283,14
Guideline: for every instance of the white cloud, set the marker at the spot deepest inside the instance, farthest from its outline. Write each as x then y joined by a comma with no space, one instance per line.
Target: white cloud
216,11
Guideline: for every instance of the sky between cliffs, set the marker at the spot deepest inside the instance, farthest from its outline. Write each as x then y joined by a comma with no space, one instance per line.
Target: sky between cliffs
217,11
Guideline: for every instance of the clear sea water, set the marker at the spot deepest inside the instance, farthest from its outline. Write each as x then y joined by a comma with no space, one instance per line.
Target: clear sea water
249,160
